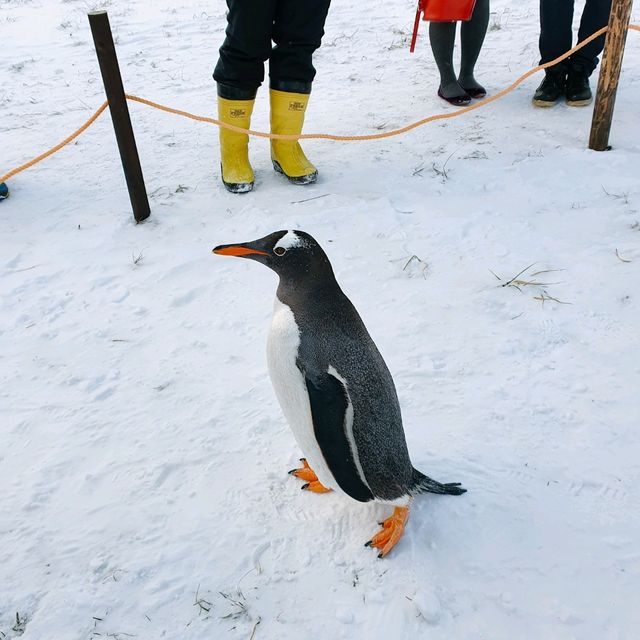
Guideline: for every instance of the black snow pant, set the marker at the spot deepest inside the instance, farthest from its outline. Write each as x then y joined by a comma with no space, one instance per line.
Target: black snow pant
556,35
295,27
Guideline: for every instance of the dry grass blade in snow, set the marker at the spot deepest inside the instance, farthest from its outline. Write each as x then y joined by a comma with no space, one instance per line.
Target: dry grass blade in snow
520,283
201,603
621,258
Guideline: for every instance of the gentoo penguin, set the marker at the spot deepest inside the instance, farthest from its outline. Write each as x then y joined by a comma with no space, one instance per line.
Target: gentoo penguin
334,388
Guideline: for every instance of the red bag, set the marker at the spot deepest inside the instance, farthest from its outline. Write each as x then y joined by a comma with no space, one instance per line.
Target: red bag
441,11
447,10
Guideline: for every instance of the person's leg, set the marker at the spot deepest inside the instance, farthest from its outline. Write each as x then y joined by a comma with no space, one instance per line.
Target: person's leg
442,37
583,62
556,36
239,73
297,33
594,17
240,68
472,35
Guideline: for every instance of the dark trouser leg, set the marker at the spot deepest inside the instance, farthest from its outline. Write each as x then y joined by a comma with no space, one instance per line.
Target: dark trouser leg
442,37
555,29
472,35
240,68
594,17
297,33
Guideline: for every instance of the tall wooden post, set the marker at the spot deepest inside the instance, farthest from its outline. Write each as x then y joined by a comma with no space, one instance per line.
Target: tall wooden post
103,40
609,74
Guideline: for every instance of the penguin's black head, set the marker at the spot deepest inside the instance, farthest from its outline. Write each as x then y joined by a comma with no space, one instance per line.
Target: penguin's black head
294,255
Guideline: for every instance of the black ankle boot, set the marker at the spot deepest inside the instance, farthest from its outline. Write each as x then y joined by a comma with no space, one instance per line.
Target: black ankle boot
578,91
551,88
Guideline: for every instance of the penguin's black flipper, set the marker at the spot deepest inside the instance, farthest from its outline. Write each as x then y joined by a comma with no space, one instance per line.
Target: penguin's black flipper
330,402
424,484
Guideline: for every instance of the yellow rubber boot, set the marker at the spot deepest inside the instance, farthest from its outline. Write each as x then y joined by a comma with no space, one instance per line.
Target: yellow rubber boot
287,116
237,174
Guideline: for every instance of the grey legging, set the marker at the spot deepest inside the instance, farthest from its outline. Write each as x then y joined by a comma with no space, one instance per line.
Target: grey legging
442,36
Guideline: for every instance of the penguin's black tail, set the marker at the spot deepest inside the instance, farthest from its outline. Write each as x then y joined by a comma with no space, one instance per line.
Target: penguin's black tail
424,484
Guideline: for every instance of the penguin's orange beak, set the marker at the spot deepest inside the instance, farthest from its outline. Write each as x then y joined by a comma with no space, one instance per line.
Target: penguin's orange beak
237,250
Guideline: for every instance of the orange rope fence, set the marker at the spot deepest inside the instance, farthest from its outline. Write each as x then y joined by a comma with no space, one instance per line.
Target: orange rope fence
309,136
60,145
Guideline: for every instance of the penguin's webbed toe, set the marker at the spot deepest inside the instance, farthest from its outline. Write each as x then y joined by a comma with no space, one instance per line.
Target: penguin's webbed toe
308,474
391,532
315,487
305,472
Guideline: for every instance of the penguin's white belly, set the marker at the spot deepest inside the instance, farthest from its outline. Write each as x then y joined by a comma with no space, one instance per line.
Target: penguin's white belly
291,389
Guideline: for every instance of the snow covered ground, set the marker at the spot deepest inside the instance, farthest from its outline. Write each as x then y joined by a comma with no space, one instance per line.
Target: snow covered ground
143,456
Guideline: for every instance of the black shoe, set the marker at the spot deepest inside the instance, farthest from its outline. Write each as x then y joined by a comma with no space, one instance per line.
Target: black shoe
578,91
551,88
477,93
4,190
457,101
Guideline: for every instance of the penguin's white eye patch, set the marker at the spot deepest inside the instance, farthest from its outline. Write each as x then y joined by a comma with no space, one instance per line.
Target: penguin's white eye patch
279,251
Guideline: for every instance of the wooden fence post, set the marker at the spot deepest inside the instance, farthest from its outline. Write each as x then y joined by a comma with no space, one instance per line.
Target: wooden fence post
103,40
609,74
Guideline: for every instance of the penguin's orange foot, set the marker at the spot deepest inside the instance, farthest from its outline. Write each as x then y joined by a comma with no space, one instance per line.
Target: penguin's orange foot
315,487
308,474
391,532
305,473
